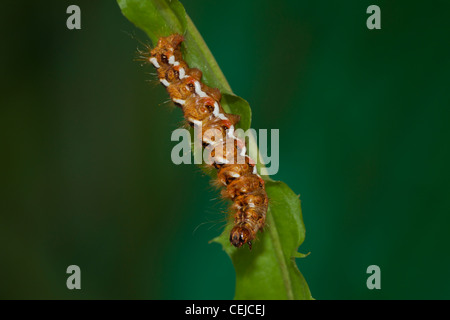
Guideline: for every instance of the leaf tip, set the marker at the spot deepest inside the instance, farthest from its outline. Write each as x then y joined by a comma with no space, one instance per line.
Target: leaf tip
301,255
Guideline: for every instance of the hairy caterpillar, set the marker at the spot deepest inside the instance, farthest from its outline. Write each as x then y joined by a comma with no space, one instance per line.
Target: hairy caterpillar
201,107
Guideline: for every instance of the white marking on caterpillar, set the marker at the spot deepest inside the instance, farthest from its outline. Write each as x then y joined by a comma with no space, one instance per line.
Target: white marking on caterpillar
154,62
179,101
181,73
172,59
222,116
216,109
198,89
217,114
165,82
196,122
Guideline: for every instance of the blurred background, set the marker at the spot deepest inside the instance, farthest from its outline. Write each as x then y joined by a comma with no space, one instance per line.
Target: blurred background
85,142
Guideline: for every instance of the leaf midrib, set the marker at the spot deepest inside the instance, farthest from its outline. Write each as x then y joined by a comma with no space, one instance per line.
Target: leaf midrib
273,232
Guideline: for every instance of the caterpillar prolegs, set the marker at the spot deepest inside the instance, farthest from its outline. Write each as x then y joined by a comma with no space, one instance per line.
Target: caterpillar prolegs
201,107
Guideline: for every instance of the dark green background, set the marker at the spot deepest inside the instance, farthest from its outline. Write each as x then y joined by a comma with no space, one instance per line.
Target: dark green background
85,149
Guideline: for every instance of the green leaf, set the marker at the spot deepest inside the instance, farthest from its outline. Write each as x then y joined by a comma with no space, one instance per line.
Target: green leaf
158,18
269,270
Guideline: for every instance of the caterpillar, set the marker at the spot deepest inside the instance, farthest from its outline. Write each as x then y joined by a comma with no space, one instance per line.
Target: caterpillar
201,107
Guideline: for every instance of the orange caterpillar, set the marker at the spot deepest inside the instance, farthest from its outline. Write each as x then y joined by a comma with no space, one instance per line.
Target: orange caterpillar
201,107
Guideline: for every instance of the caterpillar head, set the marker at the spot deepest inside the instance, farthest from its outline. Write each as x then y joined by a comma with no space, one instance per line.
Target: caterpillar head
239,236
